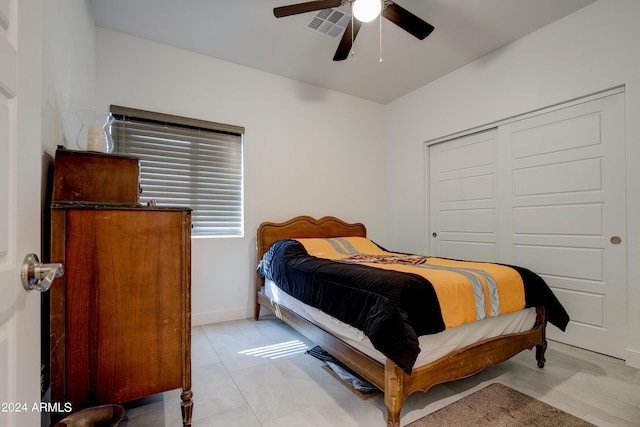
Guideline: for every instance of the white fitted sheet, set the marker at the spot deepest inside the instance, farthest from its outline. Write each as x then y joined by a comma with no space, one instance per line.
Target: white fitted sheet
432,347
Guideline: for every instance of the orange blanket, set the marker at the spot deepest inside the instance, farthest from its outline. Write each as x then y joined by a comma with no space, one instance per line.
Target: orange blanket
467,291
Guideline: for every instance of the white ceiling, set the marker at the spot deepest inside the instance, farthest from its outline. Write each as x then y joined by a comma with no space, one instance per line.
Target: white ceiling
246,32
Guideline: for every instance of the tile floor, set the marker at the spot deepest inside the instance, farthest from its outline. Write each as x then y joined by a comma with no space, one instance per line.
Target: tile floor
248,373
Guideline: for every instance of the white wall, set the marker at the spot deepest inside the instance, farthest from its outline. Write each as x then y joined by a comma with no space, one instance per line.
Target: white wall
69,69
307,151
589,51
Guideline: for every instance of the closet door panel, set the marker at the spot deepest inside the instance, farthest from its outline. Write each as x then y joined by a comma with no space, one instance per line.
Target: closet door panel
463,189
563,215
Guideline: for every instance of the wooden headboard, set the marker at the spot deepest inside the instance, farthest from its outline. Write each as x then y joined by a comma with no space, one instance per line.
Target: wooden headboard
304,226
301,227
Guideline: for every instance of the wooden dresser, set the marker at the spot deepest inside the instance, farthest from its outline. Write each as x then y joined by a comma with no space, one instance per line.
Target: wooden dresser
121,314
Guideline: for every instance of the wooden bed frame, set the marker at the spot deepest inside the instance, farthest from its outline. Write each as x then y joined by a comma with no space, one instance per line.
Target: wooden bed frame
393,381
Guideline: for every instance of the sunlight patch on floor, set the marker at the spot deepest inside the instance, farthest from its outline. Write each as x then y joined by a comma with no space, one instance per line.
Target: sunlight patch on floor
276,351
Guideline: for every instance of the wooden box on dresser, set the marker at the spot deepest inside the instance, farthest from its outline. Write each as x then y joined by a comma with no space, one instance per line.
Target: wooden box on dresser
121,314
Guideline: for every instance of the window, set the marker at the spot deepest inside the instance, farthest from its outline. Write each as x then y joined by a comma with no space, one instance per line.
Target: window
186,162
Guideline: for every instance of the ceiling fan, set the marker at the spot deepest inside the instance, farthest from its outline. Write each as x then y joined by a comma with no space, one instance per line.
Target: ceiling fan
391,11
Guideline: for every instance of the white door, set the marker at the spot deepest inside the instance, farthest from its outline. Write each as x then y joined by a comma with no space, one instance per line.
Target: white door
546,192
20,209
564,215
464,197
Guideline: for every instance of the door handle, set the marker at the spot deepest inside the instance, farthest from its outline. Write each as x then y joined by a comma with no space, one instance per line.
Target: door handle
38,276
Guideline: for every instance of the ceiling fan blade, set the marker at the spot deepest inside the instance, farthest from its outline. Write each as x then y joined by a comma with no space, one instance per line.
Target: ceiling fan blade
407,21
310,6
344,48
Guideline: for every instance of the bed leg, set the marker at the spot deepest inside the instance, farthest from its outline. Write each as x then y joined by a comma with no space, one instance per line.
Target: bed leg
541,319
393,393
256,308
256,312
540,350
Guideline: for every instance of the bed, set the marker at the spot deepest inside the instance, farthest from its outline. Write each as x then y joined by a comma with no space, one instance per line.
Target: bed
388,359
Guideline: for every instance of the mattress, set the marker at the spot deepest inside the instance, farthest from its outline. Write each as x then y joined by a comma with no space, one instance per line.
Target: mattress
432,347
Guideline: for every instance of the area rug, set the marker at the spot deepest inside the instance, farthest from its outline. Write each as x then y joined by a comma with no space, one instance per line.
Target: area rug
498,405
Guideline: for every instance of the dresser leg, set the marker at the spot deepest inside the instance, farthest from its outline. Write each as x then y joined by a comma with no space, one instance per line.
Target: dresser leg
187,407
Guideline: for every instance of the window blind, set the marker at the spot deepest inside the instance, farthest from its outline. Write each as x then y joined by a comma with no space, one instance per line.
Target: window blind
186,162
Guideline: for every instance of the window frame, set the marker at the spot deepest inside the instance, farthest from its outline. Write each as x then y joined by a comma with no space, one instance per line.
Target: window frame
198,154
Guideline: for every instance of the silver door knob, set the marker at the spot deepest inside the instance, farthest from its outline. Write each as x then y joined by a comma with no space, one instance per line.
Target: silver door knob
38,276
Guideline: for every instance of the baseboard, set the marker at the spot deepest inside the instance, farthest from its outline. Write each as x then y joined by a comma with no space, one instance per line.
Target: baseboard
239,313
633,358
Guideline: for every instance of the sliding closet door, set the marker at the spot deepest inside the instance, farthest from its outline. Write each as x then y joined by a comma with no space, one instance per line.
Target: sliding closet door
546,192
562,201
464,190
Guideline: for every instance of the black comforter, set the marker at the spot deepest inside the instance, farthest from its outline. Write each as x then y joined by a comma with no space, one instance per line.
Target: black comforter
392,308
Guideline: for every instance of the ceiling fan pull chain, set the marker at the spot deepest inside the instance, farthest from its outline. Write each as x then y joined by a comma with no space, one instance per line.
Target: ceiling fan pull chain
380,21
352,51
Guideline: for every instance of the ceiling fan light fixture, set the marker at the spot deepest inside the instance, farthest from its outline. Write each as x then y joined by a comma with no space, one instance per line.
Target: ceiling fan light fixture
366,10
